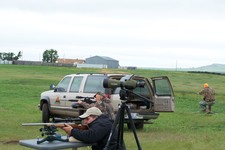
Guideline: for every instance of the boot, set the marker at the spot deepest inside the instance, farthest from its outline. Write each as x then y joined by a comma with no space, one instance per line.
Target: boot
209,110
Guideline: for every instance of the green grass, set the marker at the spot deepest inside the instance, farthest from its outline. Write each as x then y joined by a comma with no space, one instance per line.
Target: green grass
185,129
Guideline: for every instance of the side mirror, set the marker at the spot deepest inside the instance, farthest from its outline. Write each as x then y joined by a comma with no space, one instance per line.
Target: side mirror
52,87
59,89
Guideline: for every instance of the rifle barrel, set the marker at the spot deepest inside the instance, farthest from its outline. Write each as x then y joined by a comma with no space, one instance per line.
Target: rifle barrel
81,127
45,124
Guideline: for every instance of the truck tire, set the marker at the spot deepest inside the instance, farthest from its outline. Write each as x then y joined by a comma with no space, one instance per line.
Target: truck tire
138,125
45,113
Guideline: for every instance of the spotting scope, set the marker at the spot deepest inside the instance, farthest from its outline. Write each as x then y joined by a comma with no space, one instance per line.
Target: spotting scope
129,84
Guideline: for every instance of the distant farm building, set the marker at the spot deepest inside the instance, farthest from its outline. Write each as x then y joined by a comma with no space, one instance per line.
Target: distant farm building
5,62
70,61
103,60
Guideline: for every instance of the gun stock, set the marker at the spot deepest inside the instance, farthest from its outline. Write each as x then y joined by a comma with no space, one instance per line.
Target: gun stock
58,125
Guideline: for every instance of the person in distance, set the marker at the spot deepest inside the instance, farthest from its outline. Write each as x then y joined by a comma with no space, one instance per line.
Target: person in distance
208,98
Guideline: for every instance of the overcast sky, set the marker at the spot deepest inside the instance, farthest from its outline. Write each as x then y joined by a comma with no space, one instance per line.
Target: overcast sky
142,33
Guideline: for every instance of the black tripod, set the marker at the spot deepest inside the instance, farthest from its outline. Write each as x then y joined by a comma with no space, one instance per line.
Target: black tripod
119,120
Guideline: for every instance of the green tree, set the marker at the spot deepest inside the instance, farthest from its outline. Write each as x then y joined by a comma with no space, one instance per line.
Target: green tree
50,56
17,56
10,56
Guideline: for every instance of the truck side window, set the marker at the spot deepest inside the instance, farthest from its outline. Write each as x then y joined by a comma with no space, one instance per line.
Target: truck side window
94,84
64,83
75,86
162,88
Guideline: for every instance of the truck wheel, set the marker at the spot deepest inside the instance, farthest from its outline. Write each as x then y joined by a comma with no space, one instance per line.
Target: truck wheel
45,113
138,125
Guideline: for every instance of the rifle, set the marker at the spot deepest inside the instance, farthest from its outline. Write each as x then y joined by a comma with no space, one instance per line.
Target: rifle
85,99
57,125
51,128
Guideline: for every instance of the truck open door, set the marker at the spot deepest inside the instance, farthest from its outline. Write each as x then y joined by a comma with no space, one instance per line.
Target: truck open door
163,94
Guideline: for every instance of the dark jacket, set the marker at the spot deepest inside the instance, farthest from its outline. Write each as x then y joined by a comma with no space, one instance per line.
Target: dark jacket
98,133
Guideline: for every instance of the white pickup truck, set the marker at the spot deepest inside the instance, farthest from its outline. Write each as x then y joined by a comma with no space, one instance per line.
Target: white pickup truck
157,92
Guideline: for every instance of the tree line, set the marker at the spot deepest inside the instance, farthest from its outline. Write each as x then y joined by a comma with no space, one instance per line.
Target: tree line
10,56
49,56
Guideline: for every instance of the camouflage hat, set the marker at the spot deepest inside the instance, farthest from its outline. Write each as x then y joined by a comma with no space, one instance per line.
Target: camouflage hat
91,111
100,93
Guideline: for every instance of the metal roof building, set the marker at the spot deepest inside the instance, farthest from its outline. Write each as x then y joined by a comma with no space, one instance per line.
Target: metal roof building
109,62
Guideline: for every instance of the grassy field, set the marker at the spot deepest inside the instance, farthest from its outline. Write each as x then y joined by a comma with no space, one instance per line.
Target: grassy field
185,129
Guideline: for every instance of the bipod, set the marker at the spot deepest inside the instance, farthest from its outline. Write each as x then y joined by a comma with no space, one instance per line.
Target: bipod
50,132
51,138
120,122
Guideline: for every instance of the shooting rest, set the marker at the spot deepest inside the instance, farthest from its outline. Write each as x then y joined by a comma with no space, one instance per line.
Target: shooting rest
32,143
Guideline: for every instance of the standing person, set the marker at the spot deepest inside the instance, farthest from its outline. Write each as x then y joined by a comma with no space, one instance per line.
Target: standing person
99,129
102,103
208,98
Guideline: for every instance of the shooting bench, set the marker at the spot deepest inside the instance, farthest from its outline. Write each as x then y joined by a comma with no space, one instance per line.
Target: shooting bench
32,143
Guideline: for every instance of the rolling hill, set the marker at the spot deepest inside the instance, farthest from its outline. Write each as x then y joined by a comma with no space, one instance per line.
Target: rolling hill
214,68
220,68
